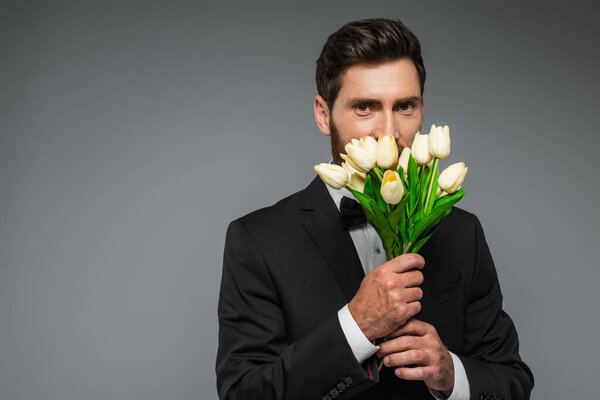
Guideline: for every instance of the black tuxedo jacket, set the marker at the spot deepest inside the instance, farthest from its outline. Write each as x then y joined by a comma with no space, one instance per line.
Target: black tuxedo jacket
289,268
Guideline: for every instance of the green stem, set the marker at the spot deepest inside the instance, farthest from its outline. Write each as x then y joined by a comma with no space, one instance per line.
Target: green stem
388,255
433,169
406,247
378,173
380,364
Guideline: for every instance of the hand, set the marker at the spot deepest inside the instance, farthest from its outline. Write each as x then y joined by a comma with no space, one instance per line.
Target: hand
388,296
418,343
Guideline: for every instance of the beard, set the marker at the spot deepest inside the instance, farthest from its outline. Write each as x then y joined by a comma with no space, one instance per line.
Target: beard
337,146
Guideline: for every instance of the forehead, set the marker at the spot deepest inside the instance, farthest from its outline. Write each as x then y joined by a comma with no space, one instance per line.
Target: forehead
392,78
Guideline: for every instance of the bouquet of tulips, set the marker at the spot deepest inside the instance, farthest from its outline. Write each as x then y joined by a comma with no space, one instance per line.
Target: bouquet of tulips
404,198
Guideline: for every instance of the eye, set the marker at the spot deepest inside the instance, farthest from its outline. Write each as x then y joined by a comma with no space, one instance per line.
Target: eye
406,106
362,108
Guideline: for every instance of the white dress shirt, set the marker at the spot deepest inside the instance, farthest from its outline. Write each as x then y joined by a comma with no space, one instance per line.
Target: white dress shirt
371,253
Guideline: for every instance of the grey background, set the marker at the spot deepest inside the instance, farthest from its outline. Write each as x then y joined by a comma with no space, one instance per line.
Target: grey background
132,133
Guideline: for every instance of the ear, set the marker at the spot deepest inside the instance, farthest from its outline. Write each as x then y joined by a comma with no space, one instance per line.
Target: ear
322,115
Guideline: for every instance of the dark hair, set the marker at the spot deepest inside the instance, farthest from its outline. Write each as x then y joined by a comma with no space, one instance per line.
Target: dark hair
369,41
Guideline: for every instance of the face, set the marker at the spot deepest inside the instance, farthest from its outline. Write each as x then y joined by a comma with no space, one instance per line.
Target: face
373,100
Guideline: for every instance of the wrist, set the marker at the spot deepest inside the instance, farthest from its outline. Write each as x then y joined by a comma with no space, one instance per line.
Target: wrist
356,315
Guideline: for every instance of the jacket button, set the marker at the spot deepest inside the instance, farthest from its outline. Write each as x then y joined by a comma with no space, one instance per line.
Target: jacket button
341,387
348,381
325,398
334,393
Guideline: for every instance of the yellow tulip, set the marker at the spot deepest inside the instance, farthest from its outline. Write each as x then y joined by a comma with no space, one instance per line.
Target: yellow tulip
333,175
386,152
452,177
392,189
439,141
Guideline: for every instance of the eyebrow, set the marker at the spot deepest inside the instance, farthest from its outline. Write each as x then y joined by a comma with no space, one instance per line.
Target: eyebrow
359,100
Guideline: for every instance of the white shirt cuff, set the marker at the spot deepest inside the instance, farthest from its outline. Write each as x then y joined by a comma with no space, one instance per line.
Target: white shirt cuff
360,345
461,390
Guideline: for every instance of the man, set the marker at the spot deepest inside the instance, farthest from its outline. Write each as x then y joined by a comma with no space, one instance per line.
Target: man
305,297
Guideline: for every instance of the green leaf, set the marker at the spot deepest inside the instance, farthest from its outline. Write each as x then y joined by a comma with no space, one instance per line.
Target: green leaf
449,200
400,172
376,184
424,186
429,230
423,223
413,183
402,227
378,220
396,250
417,246
396,214
374,214
434,187
368,190
389,240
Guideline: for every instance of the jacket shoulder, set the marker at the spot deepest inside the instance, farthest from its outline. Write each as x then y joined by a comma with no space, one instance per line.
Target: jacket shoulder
271,215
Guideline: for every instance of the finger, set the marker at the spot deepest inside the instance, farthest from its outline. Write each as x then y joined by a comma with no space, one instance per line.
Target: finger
413,373
406,262
413,294
400,344
411,278
412,327
410,310
409,357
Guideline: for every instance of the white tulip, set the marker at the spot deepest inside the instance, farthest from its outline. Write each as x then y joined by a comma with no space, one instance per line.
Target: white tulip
356,178
439,141
333,175
420,149
350,169
403,161
369,144
349,161
452,177
361,159
386,152
357,182
392,189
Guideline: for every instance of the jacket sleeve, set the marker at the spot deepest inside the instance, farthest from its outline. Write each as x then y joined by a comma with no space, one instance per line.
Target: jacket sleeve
491,346
255,359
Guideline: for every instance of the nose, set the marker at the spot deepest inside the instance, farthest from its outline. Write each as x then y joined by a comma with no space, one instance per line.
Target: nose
386,125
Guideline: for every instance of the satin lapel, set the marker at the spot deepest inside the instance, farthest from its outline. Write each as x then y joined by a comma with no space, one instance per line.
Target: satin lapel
320,218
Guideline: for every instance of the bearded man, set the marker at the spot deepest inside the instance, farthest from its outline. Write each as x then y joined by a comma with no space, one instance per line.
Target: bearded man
308,302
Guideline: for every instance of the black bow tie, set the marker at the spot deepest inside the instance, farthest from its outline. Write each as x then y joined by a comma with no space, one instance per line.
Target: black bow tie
351,213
